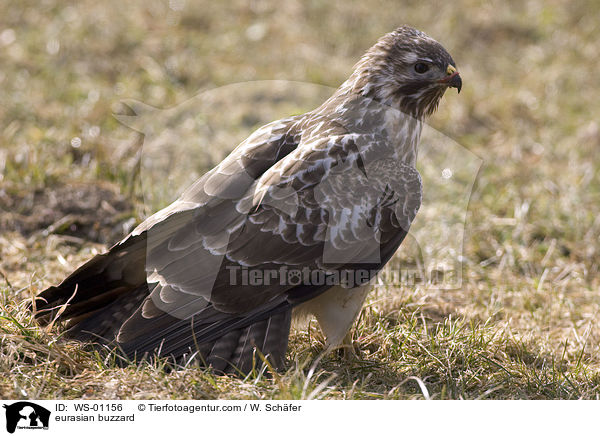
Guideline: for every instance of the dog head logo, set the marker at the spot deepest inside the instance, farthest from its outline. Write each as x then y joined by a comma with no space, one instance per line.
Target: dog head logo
26,415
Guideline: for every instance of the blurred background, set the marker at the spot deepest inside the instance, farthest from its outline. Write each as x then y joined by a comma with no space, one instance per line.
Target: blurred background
529,108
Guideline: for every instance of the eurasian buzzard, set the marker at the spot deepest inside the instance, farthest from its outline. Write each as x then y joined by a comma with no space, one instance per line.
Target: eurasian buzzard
298,218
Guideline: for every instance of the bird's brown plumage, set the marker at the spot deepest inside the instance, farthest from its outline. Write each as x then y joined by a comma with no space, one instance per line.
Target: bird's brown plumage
332,190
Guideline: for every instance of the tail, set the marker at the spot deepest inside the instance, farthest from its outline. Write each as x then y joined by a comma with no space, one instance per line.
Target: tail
234,351
111,283
101,302
228,343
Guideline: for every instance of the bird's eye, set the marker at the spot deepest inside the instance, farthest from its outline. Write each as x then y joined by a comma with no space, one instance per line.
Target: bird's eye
421,67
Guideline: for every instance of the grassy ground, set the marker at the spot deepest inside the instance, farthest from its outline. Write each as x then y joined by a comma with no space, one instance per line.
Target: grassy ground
522,325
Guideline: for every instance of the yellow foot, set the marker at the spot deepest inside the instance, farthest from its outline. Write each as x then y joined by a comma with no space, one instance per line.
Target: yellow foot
347,351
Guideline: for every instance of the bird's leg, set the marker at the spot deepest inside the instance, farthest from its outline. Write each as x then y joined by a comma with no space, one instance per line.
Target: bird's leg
346,350
336,310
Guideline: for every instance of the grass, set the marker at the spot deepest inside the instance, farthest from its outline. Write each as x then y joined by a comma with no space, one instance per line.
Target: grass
523,323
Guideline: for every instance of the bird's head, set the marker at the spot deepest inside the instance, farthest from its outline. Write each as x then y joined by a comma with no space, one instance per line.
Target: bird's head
407,69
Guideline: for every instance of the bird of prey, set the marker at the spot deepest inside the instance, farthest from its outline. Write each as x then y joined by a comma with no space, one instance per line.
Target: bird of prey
296,220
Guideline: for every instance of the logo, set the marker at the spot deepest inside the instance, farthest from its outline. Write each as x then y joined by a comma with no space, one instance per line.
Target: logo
26,415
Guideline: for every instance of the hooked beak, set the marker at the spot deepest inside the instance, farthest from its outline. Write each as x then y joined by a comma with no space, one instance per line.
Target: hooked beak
452,78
